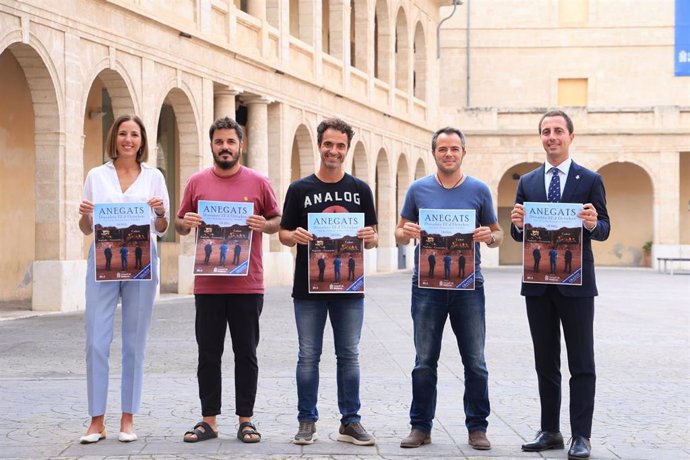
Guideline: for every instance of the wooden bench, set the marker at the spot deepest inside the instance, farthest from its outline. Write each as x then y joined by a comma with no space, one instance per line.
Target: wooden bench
666,261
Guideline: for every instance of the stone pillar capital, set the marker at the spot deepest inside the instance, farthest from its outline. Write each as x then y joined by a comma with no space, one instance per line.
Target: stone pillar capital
228,91
256,99
224,101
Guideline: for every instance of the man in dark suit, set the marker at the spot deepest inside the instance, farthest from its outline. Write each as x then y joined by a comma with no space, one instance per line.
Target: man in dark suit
568,257
536,254
461,266
550,305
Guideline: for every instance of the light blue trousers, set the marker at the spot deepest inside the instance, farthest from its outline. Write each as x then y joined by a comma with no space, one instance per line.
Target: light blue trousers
137,309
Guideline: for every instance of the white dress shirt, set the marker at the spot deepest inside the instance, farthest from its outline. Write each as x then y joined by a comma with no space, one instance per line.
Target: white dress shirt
563,170
103,186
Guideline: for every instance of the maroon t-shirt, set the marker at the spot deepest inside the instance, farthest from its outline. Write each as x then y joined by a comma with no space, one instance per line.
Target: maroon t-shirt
247,186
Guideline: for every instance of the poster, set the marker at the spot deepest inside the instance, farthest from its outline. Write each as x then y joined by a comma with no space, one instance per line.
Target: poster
336,255
446,249
223,240
122,241
552,244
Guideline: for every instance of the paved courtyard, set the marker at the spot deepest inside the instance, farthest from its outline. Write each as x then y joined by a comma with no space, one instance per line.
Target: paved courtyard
643,389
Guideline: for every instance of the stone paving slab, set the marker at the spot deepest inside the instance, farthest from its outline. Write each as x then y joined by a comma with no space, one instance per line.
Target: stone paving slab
642,339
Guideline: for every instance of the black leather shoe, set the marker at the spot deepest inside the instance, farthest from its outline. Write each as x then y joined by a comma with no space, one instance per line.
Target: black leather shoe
580,447
545,440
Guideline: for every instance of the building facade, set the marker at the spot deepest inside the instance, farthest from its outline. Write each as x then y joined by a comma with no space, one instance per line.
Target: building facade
610,65
280,66
69,68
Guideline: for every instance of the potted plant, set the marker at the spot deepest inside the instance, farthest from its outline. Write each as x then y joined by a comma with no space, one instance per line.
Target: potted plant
647,254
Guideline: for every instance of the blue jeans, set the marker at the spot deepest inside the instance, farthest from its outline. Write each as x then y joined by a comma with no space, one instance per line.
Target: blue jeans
430,308
346,316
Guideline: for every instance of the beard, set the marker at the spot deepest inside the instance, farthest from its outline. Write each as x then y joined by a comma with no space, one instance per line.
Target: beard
225,164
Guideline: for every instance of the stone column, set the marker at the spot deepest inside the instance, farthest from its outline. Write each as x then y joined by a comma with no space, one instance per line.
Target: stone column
58,271
257,132
257,8
224,102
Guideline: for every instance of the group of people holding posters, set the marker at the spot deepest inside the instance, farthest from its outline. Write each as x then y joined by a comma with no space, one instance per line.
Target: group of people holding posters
330,215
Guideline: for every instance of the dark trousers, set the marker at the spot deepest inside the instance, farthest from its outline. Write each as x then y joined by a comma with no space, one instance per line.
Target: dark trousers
546,314
241,313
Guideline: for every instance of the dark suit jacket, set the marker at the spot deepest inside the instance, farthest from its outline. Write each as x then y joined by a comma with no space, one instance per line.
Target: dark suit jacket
581,186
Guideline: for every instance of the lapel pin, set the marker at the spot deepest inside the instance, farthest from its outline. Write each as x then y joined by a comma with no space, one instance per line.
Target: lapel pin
577,177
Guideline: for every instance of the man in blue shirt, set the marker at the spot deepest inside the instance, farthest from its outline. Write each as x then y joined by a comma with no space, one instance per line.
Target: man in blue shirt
223,253
449,188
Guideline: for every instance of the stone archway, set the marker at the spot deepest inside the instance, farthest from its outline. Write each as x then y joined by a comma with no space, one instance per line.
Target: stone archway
32,183
402,52
107,99
17,176
302,154
385,207
402,183
510,251
360,164
177,155
382,39
630,204
419,71
359,26
419,170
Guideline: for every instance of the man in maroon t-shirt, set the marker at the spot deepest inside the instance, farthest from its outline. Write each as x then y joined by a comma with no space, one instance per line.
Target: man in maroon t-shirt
233,300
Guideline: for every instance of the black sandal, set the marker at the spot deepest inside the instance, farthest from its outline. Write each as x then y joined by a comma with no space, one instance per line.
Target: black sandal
202,431
247,436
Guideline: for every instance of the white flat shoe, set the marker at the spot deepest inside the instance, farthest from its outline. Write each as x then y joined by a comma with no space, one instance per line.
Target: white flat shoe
93,437
126,437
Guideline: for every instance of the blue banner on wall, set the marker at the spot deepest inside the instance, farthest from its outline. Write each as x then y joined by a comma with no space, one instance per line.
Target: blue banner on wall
682,49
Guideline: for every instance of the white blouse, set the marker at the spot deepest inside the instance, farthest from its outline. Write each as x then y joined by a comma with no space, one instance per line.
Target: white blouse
103,186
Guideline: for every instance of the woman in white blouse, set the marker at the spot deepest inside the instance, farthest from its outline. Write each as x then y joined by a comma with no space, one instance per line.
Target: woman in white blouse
125,179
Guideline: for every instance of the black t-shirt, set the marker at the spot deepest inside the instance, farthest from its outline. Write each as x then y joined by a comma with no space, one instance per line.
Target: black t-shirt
310,194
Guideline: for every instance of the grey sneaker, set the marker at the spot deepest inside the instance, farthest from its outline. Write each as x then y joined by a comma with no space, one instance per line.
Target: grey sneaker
356,434
306,433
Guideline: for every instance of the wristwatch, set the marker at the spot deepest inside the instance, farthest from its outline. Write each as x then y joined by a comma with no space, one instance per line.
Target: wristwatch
159,216
492,241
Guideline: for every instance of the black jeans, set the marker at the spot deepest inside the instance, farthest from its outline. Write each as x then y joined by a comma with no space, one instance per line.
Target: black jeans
241,313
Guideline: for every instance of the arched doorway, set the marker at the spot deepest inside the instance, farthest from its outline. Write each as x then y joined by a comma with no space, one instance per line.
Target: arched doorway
402,52
107,99
31,183
630,204
385,209
419,170
302,154
419,69
402,183
510,251
359,25
17,180
360,165
178,157
382,48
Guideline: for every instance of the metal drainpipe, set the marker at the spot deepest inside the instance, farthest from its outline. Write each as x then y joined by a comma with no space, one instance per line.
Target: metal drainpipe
438,28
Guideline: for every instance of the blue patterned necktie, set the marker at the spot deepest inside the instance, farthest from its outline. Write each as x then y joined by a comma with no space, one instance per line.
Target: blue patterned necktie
554,195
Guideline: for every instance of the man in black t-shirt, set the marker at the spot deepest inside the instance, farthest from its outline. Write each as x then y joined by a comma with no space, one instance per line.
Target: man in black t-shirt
329,190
